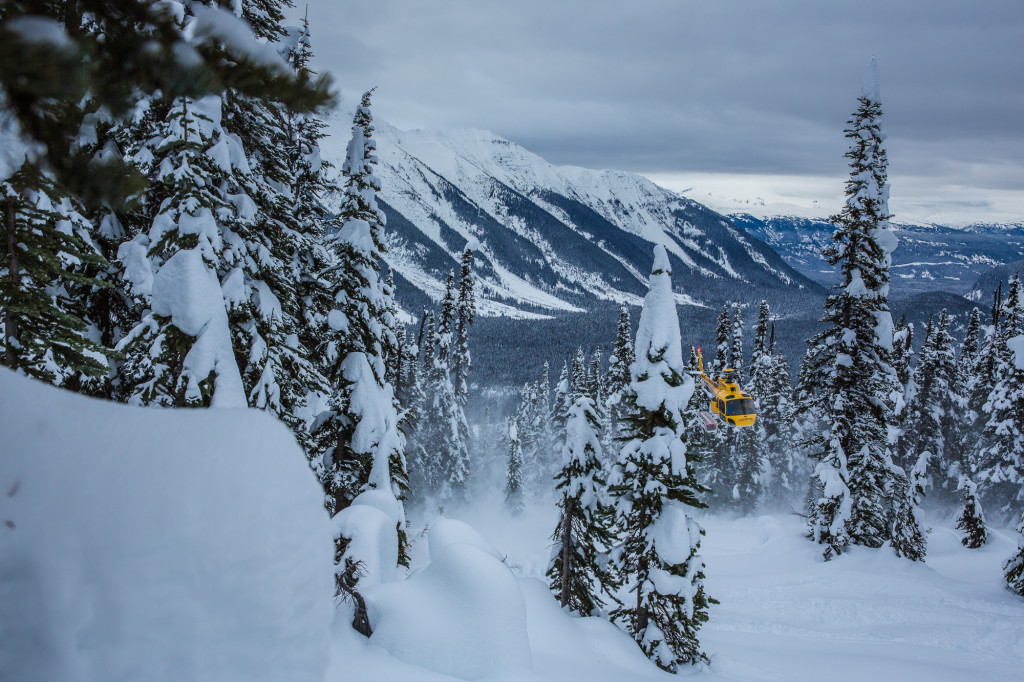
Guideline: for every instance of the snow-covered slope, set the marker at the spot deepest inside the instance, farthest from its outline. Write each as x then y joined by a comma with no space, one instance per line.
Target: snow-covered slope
159,545
549,238
784,614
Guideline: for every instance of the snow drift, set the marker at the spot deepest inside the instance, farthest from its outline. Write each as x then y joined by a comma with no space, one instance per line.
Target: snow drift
143,544
462,615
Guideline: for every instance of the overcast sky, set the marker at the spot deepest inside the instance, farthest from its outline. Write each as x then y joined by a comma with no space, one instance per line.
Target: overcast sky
740,97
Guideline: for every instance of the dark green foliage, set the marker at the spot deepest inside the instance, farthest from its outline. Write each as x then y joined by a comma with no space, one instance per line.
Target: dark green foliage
514,500
1013,569
107,54
847,377
652,486
971,519
577,573
47,256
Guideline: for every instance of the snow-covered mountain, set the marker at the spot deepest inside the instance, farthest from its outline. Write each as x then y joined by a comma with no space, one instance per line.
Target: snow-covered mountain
929,257
551,239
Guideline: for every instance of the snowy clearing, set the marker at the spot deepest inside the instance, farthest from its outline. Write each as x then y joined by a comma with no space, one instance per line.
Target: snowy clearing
784,613
118,587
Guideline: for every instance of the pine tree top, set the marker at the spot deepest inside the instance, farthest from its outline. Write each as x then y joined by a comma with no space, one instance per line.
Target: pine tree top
659,377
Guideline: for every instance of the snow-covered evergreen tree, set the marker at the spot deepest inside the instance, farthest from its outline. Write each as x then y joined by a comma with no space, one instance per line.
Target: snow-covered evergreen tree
182,353
577,574
903,350
617,379
849,386
529,420
1000,447
931,424
465,314
653,485
47,250
971,519
424,458
736,349
1013,569
907,534
359,434
515,501
745,444
560,403
770,383
723,341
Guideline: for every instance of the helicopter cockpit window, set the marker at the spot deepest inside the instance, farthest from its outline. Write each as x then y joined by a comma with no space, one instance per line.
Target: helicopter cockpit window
738,407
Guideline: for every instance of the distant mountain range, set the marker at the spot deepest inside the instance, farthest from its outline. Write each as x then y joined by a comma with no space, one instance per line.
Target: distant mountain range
559,248
550,239
929,257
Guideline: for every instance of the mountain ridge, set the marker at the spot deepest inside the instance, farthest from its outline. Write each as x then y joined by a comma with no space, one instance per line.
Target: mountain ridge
552,239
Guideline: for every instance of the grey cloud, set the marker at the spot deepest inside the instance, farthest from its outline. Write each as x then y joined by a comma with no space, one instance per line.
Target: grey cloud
728,86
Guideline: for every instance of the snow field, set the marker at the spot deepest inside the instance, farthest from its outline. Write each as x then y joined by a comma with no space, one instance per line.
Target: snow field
784,613
191,545
157,545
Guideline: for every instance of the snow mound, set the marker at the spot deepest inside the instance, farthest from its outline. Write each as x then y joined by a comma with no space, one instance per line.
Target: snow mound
462,615
445,532
158,545
373,541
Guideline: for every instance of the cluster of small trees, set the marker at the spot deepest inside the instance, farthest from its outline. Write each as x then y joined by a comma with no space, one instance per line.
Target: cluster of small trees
878,432
624,480
433,380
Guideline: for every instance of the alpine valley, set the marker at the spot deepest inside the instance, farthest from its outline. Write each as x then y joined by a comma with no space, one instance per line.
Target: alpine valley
564,247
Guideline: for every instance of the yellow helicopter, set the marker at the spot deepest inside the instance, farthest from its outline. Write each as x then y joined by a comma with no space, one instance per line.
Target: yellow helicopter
731,405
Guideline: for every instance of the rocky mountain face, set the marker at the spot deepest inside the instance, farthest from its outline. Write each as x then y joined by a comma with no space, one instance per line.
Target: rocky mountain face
558,249
553,240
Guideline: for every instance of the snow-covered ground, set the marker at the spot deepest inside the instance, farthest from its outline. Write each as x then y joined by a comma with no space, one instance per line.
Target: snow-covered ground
158,545
142,544
784,613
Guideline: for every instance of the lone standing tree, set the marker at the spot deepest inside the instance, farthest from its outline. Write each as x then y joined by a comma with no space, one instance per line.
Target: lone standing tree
653,484
848,381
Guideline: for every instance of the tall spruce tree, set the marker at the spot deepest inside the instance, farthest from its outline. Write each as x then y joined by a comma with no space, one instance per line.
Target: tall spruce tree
359,433
617,380
775,408
1000,446
576,573
515,501
723,341
736,349
653,485
465,314
849,383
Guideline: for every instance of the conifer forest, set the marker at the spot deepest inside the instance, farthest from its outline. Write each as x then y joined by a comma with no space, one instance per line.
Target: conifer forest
289,393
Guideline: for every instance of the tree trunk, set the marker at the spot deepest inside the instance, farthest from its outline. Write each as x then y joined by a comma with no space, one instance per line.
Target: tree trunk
14,275
640,619
567,552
